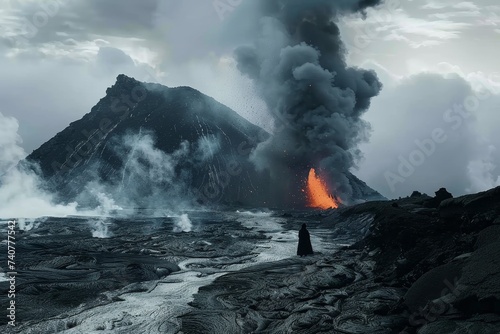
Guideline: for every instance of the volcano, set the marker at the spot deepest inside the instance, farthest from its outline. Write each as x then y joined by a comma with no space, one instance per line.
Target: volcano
206,143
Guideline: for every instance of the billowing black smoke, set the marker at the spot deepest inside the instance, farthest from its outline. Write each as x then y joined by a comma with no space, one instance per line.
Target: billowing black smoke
298,65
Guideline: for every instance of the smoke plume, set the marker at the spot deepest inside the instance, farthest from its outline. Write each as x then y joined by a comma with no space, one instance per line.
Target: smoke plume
297,63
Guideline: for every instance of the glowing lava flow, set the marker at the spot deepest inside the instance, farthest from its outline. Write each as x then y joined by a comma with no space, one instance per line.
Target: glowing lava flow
318,194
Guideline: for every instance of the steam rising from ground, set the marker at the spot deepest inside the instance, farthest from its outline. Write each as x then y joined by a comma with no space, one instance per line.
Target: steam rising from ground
28,224
297,62
183,224
22,192
100,228
148,178
25,195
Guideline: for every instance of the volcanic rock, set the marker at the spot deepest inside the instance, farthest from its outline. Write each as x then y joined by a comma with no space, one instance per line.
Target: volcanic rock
480,281
452,327
489,235
447,262
441,195
431,285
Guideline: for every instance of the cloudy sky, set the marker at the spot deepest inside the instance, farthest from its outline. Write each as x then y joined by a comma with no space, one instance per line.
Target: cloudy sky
434,124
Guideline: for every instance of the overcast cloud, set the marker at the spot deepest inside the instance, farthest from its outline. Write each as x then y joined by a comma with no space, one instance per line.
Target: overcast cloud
58,57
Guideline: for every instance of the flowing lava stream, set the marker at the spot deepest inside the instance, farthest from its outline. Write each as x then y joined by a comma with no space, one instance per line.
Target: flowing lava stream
317,193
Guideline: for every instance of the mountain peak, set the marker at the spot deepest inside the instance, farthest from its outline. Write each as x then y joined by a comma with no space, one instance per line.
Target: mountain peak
123,83
125,79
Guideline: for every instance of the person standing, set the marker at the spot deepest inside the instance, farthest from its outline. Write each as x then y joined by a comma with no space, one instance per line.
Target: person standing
305,247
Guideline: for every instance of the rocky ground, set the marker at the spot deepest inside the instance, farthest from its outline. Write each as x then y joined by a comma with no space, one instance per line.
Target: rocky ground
415,265
444,253
132,274
421,265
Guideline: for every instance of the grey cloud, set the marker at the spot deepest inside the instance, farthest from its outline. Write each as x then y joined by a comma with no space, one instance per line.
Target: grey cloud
113,60
409,113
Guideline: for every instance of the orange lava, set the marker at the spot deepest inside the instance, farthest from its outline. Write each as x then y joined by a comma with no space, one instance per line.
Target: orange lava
317,193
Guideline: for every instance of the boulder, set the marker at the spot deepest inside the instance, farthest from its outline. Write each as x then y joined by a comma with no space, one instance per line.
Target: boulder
432,285
483,203
488,236
480,282
441,195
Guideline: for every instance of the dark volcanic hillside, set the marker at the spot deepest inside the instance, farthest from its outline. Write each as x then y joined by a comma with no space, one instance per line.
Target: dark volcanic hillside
148,139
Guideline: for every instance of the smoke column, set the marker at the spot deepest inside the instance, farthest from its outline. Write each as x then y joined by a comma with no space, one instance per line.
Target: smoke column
297,63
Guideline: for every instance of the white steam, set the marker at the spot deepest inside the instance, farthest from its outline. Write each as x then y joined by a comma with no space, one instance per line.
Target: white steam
21,190
183,224
28,224
106,204
10,151
100,228
150,180
207,147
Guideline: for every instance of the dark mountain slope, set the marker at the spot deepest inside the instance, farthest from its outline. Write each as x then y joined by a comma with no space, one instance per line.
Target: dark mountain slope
197,147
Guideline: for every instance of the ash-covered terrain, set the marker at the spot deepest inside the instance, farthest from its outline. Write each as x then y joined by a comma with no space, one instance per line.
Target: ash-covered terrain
416,265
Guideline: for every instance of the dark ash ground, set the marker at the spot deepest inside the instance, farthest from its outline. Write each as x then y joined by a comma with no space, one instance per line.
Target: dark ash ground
380,267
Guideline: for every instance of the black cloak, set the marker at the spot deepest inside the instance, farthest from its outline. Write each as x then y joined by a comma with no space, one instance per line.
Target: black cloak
305,247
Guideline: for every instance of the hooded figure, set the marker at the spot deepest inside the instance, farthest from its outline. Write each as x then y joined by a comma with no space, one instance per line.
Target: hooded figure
305,247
